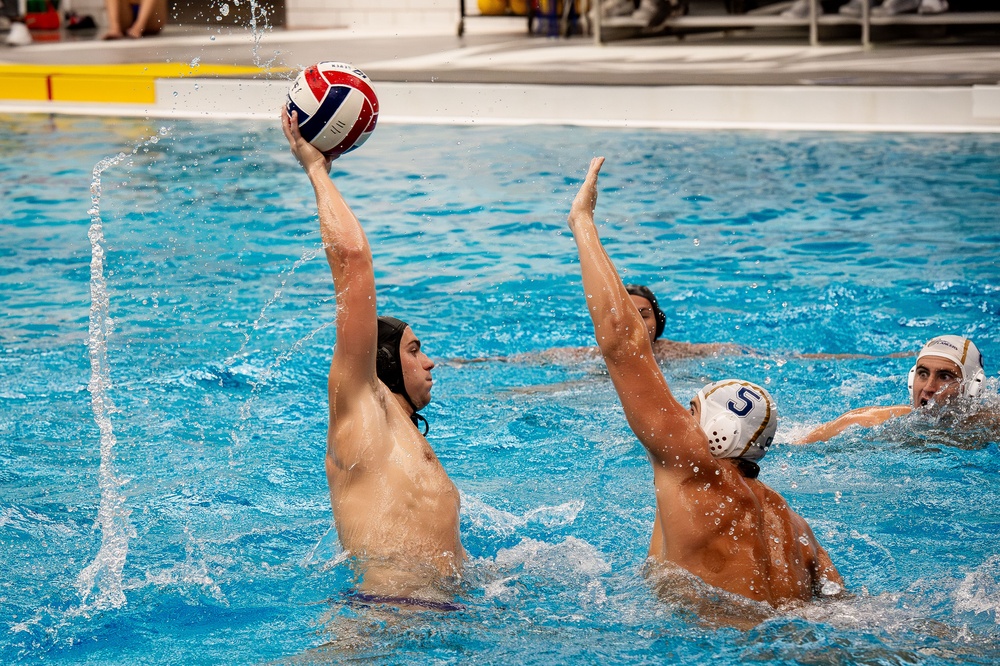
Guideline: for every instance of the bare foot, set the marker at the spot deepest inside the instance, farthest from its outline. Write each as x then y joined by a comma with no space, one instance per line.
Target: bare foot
112,36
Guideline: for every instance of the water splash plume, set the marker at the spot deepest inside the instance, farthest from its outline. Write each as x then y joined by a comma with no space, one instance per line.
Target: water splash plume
105,572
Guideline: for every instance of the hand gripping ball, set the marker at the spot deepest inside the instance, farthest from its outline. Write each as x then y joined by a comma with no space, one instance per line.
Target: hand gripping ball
336,105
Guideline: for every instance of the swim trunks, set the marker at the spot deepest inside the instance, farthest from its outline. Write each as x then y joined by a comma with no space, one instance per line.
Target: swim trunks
355,597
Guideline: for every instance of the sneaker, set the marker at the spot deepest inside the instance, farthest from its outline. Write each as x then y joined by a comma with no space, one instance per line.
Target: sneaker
893,7
852,8
616,8
933,6
19,35
800,10
654,14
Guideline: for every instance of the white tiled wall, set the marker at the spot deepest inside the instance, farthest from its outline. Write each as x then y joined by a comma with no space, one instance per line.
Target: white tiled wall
388,14
392,14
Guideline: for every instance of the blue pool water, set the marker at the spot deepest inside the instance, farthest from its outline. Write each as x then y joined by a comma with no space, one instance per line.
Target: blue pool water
189,522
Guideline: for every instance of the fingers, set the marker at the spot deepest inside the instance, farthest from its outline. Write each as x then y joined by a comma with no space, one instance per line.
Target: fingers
286,122
290,123
595,168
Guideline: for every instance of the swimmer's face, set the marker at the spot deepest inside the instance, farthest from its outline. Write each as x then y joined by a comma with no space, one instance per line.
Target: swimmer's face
936,379
695,409
648,315
416,369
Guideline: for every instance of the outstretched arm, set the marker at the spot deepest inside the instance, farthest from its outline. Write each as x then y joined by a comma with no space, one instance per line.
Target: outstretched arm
350,259
866,417
663,426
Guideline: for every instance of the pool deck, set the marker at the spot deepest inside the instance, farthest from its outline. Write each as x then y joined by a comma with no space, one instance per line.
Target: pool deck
498,74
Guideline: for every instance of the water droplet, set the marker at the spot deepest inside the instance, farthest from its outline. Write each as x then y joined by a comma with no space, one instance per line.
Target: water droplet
697,242
224,10
212,38
175,93
195,62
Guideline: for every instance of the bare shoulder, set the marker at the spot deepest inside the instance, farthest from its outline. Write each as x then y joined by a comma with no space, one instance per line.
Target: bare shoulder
865,417
359,429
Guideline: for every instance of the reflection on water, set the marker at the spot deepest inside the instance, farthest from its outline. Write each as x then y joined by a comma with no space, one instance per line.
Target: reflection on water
223,307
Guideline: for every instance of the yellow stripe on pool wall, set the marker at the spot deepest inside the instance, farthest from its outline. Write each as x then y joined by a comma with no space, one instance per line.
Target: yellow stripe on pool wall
121,84
106,89
23,87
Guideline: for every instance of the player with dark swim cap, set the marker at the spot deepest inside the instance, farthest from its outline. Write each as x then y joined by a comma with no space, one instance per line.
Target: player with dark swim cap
714,518
948,370
656,321
396,510
388,366
649,309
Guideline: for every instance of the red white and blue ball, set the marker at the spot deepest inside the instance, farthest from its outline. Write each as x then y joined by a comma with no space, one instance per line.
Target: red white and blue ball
337,107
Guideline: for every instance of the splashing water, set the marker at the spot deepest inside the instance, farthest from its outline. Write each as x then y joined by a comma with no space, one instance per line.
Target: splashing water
268,373
105,572
258,32
307,256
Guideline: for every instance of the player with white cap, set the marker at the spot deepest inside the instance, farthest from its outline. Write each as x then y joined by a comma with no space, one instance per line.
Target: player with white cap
714,517
948,368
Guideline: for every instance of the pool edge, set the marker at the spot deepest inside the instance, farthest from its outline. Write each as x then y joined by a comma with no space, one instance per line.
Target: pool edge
772,108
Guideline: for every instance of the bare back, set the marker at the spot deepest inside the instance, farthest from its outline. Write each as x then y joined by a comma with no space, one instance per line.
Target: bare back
736,534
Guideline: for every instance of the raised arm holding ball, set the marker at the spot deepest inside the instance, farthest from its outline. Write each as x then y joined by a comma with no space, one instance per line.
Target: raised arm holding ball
396,510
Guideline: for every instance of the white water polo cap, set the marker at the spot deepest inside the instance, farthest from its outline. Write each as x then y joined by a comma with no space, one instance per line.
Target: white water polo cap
962,352
739,418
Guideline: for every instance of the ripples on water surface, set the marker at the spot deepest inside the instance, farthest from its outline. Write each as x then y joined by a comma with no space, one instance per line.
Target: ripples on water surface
220,346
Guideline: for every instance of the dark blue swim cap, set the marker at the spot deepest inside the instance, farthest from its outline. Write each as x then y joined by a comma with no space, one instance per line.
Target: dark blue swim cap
643,291
387,364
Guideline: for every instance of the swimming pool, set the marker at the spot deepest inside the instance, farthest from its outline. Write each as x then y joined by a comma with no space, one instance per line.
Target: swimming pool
220,548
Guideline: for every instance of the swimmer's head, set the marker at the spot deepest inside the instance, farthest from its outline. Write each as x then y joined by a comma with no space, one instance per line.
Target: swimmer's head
402,365
650,310
947,367
738,417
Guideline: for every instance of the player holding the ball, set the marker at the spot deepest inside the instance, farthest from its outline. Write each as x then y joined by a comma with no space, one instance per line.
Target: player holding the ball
395,508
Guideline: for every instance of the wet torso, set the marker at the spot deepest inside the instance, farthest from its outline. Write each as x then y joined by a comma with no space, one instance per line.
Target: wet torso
396,510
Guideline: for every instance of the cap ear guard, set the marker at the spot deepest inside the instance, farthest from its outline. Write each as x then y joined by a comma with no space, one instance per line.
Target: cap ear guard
974,386
385,364
723,432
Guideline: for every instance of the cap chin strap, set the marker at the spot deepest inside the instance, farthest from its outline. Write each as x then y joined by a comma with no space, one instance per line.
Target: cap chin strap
415,416
747,468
